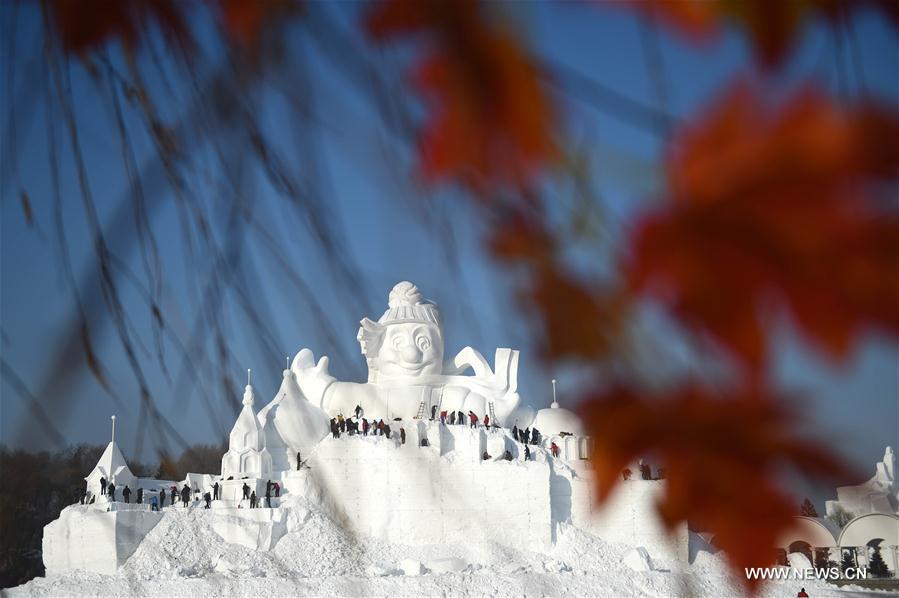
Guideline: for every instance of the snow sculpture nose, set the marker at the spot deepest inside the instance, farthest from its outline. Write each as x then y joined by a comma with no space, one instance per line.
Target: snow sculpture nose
410,354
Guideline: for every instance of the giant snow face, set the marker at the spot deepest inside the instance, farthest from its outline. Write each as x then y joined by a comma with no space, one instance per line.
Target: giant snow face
409,350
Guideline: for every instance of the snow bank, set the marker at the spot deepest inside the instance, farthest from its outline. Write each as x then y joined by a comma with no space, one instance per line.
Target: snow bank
637,559
184,555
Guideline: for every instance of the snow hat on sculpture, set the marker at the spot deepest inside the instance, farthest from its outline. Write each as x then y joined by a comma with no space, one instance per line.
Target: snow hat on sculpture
415,346
247,454
292,424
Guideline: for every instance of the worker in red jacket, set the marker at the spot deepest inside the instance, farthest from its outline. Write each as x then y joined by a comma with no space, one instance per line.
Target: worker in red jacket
473,418
554,449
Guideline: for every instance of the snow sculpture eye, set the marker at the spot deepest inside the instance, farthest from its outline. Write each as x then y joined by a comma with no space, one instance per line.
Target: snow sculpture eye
423,342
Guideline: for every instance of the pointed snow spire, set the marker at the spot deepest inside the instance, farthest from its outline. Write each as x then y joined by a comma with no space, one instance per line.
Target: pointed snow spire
248,397
246,443
555,403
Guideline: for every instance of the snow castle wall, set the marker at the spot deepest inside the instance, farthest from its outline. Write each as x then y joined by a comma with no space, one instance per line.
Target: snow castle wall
441,493
94,540
628,517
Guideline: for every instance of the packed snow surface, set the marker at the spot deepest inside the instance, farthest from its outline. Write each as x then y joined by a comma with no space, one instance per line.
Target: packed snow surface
183,555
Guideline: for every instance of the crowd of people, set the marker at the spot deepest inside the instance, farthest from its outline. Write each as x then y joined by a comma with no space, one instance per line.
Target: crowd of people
360,425
350,426
460,418
157,501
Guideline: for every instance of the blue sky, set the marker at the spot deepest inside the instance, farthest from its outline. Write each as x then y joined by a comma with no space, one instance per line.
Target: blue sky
386,226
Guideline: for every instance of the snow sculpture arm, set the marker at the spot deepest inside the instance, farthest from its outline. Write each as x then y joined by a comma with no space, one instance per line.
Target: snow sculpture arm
313,379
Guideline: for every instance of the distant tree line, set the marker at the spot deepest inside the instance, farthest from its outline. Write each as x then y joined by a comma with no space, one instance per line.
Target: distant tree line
37,486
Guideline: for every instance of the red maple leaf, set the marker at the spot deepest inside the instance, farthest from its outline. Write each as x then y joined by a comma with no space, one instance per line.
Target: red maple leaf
723,459
777,205
489,120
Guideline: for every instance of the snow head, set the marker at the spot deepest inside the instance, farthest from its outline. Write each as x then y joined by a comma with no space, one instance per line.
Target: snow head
407,341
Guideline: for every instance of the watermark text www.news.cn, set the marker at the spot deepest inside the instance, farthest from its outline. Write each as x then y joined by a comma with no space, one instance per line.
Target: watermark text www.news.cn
823,573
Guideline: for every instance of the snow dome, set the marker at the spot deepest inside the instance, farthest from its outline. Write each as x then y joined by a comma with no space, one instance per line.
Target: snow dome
554,419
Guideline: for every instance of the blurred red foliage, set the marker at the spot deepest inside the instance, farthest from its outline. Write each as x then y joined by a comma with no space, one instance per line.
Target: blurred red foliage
490,122
772,26
776,204
84,25
722,459
579,319
245,20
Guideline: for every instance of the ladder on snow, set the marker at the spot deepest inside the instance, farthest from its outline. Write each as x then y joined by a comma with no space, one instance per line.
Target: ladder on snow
421,410
492,413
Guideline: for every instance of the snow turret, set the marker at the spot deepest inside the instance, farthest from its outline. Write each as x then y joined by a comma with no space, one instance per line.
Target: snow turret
247,454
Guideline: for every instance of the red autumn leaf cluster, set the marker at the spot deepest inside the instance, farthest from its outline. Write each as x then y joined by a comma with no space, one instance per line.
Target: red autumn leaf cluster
578,319
489,122
722,459
83,25
777,205
245,20
772,27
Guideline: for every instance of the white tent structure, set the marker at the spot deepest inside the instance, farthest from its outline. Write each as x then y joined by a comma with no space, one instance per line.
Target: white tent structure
113,467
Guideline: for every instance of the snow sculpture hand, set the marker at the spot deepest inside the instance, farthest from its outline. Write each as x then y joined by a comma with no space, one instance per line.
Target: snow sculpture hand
313,379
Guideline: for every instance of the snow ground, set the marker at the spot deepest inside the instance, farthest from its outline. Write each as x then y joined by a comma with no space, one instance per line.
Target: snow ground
182,555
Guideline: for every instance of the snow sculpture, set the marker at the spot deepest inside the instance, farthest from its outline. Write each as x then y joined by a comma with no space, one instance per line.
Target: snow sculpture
407,376
292,424
880,494
247,454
